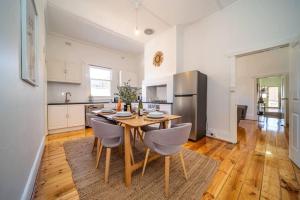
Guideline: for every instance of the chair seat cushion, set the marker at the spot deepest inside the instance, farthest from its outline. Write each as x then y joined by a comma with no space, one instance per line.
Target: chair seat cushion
112,142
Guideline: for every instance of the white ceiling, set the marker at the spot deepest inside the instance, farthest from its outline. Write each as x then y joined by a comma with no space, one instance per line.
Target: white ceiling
64,23
112,22
176,12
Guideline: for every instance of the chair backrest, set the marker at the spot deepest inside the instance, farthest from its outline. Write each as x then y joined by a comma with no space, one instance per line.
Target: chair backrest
106,130
177,135
101,119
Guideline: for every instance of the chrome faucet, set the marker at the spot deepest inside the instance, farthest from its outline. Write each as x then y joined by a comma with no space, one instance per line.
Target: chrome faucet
67,100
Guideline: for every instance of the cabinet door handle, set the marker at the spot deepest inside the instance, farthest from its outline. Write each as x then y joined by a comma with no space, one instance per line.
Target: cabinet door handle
65,71
67,115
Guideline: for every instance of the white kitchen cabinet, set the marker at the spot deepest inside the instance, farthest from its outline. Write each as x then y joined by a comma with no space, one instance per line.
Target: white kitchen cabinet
64,71
57,117
56,70
75,115
73,72
166,108
62,118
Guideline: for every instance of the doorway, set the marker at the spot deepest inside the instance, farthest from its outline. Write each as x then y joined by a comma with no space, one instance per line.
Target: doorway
243,89
271,98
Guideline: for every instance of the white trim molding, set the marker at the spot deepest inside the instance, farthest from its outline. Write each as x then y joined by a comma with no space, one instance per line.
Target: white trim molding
28,189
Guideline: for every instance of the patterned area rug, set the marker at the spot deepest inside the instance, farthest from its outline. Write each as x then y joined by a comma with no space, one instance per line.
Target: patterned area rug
90,181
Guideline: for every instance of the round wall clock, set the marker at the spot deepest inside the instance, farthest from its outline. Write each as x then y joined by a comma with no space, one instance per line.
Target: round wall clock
158,58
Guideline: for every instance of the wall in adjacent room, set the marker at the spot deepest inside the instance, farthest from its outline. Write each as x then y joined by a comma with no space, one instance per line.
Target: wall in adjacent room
250,67
22,107
244,25
87,53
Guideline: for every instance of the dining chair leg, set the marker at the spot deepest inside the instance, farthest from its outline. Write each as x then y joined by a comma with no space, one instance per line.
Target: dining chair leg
120,149
140,134
99,152
131,155
183,165
145,161
167,175
95,144
107,162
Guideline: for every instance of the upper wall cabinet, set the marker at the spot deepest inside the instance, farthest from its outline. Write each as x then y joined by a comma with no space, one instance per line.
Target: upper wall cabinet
63,71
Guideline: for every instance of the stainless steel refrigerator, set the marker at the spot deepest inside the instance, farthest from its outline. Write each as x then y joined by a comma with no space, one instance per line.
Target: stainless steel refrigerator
190,101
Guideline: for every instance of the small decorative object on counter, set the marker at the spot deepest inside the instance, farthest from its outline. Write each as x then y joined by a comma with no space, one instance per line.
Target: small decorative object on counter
119,105
128,108
140,107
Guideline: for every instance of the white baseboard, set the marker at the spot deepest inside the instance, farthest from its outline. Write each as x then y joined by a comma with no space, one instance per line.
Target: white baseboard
220,134
33,172
62,130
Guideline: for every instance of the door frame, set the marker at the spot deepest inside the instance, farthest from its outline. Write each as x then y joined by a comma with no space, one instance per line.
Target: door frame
231,59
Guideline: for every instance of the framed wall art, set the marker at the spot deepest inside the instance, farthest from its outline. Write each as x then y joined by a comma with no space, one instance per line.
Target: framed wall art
29,42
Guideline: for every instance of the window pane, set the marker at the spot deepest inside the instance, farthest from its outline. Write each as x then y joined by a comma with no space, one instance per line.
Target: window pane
100,73
100,88
273,96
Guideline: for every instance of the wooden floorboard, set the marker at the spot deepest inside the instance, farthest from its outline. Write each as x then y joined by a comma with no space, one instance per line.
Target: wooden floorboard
257,167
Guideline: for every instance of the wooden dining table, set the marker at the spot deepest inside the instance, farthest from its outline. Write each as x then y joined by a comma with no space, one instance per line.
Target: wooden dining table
136,122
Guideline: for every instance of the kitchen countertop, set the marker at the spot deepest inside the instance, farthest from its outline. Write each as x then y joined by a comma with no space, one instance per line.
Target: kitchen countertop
88,102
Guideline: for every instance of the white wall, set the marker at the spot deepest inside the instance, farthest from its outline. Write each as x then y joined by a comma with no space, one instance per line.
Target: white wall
22,106
274,62
87,53
165,42
243,25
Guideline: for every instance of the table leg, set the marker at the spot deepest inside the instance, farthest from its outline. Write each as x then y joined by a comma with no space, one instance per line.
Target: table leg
127,145
165,124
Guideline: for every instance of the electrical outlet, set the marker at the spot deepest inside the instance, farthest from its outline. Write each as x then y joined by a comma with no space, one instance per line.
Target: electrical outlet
210,133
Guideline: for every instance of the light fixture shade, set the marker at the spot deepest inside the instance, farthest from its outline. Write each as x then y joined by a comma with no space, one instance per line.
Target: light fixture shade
136,31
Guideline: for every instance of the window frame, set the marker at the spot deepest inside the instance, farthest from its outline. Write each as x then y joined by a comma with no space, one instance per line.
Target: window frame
110,80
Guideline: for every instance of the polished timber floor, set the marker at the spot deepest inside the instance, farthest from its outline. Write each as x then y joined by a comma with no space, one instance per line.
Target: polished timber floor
256,168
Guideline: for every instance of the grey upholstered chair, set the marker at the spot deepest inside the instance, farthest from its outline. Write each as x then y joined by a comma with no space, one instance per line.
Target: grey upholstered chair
167,142
109,136
98,119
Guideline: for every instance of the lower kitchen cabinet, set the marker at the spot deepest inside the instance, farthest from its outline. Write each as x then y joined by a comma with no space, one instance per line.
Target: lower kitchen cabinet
57,117
63,118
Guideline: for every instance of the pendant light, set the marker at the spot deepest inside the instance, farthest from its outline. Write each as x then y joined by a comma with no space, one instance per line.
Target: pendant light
136,30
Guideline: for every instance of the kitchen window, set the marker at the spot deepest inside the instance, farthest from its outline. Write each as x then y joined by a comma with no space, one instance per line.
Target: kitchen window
100,81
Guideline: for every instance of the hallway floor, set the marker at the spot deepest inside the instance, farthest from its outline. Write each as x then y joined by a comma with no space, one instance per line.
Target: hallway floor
256,168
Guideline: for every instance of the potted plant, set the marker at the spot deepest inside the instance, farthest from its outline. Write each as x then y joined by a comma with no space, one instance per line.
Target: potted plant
127,94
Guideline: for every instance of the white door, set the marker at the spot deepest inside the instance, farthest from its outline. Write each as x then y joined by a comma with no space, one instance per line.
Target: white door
57,117
56,71
74,72
76,115
294,134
